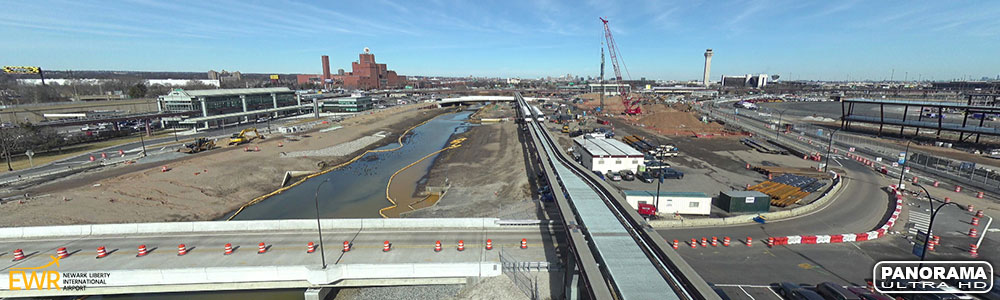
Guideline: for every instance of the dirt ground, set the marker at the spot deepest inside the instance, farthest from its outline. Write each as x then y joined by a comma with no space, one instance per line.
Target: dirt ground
673,120
487,176
203,186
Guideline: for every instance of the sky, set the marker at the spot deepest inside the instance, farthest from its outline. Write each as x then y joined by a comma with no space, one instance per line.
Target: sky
664,40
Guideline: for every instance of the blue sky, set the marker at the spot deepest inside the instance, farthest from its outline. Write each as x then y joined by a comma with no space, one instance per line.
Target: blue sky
825,40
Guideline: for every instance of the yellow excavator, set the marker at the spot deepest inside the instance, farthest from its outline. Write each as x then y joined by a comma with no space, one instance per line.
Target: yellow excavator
241,137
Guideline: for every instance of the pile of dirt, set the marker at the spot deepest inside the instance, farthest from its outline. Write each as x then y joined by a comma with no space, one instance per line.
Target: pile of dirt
668,121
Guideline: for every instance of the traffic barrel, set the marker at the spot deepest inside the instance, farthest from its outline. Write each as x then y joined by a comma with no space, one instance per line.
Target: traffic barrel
246,149
261,248
970,208
725,241
973,232
675,245
386,246
715,241
489,244
958,188
142,251
748,166
524,243
347,246
947,199
121,153
930,246
310,248
694,243
461,245
749,241
914,179
770,241
437,246
181,250
62,253
101,252
163,169
937,239
92,158
104,155
256,148
769,176
980,195
979,213
973,250
748,186
228,249
975,221
936,183
18,255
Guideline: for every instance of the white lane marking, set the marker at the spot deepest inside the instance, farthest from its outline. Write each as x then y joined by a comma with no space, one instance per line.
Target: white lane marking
775,293
920,221
838,162
748,294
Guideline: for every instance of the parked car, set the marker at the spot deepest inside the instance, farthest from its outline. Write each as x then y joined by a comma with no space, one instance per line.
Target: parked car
668,173
614,176
833,291
785,288
645,177
599,174
627,175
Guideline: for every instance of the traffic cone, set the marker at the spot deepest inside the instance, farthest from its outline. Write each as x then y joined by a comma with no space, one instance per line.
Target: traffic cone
975,221
715,241
694,243
142,251
163,169
62,253
675,245
748,166
181,250
937,239
489,244
386,246
958,188
121,153
256,148
704,242
947,200
769,176
524,243
246,149
979,213
970,208
749,241
930,246
261,248
437,246
347,246
92,158
461,245
973,250
229,249
936,183
104,155
973,233
725,241
18,255
101,252
770,242
914,179
980,195
310,248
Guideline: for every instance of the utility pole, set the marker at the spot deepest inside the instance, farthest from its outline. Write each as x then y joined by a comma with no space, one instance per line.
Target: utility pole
602,76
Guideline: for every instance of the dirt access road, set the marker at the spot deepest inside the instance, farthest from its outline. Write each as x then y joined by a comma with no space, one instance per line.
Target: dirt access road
203,186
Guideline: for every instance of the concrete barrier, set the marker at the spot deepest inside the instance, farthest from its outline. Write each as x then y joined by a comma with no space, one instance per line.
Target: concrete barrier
242,226
826,197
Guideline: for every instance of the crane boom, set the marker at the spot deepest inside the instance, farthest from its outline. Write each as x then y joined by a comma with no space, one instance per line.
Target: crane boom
631,106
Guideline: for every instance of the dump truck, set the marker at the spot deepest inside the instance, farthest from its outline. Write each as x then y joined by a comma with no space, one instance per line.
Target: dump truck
241,137
199,145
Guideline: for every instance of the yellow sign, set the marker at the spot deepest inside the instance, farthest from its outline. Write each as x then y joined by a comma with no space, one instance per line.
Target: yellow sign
21,70
36,278
274,77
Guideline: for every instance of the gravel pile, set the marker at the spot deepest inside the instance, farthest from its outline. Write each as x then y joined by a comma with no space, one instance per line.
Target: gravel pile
339,150
429,292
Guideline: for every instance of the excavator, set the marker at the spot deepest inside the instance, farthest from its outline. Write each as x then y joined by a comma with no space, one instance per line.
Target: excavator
200,144
241,137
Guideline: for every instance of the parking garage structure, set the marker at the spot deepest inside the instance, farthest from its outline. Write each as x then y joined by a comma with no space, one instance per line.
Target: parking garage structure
222,106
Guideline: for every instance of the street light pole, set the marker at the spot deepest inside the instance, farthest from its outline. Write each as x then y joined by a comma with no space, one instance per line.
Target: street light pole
777,128
826,165
143,142
906,155
930,225
319,228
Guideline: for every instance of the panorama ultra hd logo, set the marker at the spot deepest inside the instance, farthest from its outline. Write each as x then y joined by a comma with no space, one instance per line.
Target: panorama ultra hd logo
913,277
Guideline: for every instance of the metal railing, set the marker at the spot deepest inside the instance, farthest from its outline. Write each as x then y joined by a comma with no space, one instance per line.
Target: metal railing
520,273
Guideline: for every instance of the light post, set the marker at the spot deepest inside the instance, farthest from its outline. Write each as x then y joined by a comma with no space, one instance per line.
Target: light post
657,199
143,142
319,228
930,225
902,168
777,128
826,165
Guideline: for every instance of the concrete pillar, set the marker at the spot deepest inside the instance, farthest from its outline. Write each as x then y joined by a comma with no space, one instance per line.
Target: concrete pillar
572,279
274,98
243,98
204,110
316,108
317,293
159,105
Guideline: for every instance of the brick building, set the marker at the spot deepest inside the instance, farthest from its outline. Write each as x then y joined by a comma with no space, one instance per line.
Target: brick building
365,74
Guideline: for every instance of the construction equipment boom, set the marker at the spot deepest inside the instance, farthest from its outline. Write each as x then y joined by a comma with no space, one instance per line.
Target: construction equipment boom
631,105
241,137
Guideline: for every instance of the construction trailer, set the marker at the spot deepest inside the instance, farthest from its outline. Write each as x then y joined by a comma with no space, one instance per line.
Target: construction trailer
685,203
606,154
743,202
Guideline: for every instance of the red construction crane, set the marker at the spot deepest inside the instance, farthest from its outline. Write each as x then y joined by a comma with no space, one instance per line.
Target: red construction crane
631,104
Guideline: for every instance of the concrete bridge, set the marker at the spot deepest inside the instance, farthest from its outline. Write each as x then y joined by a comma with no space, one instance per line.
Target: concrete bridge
473,99
285,263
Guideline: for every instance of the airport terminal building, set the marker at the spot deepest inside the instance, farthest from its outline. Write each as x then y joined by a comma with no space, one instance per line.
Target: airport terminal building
220,106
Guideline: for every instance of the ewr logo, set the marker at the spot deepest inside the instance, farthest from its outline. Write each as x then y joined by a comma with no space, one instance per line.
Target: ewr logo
37,278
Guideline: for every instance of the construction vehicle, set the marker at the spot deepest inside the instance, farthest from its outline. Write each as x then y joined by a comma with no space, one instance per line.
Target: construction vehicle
565,129
241,137
631,104
200,144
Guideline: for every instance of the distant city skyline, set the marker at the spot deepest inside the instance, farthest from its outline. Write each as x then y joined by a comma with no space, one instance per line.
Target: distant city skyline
844,40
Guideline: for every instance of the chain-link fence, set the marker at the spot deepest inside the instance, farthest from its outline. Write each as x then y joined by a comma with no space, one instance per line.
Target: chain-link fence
520,273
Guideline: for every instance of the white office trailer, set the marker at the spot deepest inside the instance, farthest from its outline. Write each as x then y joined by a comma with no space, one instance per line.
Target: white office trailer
685,203
603,154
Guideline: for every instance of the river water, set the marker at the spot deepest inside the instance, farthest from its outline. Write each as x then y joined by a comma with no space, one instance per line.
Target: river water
354,191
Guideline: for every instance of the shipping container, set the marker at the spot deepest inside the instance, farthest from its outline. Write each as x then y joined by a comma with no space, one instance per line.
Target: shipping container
743,201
